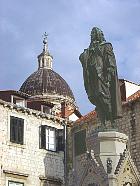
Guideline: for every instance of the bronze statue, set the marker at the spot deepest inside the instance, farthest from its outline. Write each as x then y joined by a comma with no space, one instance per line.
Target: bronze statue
100,77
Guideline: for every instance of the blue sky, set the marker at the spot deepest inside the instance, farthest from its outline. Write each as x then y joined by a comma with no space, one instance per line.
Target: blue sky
68,23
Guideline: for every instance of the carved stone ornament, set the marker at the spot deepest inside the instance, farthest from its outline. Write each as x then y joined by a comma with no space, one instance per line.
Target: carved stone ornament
109,165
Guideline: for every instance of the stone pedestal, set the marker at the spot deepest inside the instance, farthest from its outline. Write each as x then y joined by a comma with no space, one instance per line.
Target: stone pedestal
111,144
107,162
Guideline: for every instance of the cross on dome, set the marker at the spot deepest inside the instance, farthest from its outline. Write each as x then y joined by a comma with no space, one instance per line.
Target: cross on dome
45,42
45,59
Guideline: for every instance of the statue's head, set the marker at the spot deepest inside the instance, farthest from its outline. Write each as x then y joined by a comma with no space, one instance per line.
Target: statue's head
97,35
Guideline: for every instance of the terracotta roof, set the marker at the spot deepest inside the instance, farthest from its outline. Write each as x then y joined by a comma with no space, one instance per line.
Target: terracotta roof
134,96
88,116
92,114
68,111
31,111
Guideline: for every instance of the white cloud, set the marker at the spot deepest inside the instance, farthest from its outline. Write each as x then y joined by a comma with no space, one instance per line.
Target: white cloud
69,24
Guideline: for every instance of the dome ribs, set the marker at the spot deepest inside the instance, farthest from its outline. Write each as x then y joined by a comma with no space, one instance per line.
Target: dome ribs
46,81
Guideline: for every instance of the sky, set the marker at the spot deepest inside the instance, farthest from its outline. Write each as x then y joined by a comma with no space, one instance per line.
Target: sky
68,24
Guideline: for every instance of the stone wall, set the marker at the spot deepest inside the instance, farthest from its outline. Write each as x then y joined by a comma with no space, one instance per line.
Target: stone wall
27,163
128,124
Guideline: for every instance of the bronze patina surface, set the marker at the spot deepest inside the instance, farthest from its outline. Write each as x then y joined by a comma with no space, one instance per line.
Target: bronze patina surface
100,77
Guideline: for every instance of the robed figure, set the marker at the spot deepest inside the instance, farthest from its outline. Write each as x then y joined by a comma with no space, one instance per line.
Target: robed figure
100,77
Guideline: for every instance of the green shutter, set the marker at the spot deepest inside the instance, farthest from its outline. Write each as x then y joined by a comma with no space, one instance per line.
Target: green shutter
80,142
13,129
20,132
43,137
60,140
16,130
12,133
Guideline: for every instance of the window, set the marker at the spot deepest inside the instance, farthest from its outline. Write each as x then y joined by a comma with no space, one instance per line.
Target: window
12,183
48,138
18,101
45,109
16,130
60,140
80,142
51,138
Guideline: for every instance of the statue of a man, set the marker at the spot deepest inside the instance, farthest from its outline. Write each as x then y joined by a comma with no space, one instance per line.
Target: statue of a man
100,77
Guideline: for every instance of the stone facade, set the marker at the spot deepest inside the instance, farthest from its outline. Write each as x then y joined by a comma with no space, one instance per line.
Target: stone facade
28,163
107,162
29,120
129,124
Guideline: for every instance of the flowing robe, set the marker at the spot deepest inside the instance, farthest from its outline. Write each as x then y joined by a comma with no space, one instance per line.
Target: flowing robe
101,80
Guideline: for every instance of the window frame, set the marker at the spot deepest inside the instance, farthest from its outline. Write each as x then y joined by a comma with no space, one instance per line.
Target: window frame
43,136
49,137
79,136
58,140
17,139
46,109
22,183
15,100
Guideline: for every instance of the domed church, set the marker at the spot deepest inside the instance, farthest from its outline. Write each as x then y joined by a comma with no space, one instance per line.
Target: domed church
48,87
46,83
33,127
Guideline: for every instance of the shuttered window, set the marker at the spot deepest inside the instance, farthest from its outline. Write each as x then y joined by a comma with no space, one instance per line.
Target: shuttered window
16,130
60,140
42,135
51,138
80,142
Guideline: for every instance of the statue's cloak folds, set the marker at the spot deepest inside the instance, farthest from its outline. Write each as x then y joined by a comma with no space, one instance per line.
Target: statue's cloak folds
101,80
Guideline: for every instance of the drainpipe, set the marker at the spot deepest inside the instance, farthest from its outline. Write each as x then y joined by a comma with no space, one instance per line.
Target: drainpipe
65,153
63,107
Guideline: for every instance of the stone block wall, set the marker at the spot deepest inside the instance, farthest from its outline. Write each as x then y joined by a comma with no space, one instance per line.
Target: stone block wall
28,163
129,124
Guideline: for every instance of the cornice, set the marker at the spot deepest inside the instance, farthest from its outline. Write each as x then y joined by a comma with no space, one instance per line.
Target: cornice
31,112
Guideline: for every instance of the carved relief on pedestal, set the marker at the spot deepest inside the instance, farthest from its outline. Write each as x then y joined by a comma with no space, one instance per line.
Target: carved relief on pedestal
127,177
127,174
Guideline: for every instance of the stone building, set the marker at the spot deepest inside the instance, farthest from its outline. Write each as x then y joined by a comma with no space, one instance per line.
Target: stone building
44,141
25,161
111,158
33,125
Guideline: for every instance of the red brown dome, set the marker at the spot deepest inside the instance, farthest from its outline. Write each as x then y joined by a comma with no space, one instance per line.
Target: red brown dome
46,81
